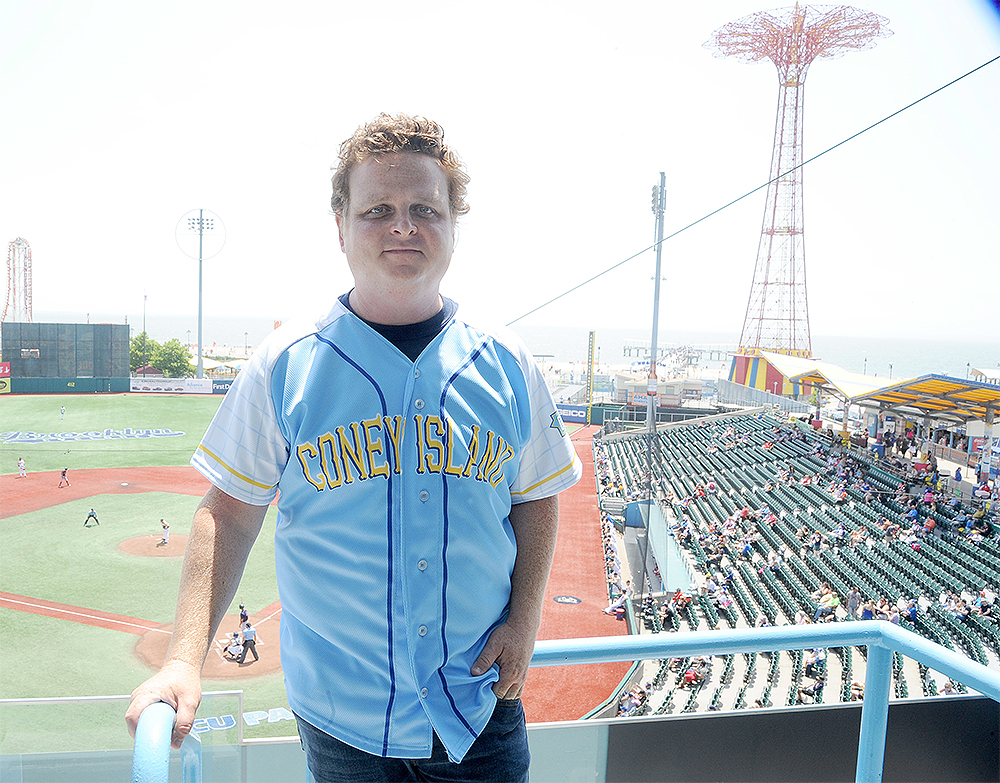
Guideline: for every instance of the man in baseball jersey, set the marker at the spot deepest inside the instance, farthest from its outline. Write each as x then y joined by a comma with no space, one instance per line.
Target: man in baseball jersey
419,457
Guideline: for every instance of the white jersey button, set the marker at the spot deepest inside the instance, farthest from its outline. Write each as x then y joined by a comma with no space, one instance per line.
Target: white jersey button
416,373
422,630
422,565
423,693
418,404
424,495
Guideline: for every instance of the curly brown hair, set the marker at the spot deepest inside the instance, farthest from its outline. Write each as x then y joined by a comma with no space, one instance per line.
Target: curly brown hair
390,133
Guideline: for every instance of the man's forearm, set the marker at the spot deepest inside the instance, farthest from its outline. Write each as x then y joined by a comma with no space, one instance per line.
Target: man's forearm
222,534
535,524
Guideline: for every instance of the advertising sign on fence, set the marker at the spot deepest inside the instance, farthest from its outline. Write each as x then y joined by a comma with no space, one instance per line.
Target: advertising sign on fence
573,414
150,385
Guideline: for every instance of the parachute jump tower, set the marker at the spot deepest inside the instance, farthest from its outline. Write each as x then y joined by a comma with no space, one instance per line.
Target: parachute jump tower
18,304
777,315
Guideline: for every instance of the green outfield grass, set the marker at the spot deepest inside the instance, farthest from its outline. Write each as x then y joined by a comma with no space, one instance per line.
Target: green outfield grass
48,554
189,414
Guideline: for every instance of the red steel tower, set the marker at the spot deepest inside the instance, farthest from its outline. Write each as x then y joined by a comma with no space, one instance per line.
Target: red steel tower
777,315
18,304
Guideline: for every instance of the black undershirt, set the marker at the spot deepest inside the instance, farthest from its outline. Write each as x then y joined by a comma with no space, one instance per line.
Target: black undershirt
411,339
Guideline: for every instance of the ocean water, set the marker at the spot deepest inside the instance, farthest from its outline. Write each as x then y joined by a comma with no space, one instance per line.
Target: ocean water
884,358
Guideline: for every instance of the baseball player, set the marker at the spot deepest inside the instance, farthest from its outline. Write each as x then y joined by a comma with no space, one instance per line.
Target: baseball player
22,469
63,481
249,642
91,516
166,533
419,456
235,647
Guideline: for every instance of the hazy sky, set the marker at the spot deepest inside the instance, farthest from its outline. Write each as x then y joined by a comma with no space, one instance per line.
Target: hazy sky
120,117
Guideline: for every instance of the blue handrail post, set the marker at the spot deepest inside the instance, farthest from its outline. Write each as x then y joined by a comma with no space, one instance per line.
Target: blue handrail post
151,757
874,715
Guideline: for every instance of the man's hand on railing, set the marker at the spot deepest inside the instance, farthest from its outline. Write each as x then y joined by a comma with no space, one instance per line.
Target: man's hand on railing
179,685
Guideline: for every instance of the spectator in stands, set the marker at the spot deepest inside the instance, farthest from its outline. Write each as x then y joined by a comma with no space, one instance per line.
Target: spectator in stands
619,602
812,691
697,670
857,691
948,689
853,603
827,607
824,589
667,612
815,662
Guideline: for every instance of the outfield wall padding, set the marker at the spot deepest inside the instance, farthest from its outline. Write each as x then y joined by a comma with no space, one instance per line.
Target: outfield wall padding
68,385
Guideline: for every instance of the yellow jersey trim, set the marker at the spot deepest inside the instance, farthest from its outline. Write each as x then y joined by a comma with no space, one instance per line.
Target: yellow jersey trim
544,480
217,458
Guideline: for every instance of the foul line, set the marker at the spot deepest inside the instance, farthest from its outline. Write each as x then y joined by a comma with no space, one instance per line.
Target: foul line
80,615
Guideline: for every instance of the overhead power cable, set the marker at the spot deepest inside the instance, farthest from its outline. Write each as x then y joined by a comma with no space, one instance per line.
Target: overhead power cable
714,212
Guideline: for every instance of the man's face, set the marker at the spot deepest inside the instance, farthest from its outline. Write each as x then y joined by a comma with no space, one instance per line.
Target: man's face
397,230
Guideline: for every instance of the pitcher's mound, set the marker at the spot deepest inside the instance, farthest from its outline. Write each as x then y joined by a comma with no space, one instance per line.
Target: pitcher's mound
151,649
152,546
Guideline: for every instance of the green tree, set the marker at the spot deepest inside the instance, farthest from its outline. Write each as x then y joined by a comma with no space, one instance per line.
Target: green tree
142,347
172,358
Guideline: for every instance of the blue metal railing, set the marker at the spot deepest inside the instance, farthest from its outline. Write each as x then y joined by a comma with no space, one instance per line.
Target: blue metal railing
151,757
881,638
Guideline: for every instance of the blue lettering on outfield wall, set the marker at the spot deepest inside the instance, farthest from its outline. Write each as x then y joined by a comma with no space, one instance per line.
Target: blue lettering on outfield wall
72,437
252,718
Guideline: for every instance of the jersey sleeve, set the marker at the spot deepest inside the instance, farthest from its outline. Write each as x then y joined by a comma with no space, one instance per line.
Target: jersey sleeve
549,463
244,452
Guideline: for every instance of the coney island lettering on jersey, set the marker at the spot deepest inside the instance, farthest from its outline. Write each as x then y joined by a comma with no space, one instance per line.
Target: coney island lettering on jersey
370,448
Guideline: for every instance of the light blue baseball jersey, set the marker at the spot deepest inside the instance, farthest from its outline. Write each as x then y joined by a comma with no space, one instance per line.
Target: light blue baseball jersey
393,547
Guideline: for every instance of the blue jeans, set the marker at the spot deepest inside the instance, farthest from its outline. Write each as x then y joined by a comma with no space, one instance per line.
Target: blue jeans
500,753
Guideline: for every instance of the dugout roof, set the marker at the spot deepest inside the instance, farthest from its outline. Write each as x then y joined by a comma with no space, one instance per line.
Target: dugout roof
938,396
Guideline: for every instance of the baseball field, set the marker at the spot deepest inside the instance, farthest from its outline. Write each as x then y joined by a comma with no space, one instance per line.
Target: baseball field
85,610
86,607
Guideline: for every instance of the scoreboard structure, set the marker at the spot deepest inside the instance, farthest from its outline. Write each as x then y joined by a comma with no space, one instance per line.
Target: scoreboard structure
53,358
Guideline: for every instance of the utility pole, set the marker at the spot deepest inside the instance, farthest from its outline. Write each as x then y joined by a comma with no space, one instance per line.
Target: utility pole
658,204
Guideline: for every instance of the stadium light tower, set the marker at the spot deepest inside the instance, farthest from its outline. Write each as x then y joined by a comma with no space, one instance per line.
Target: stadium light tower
18,306
203,229
777,314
